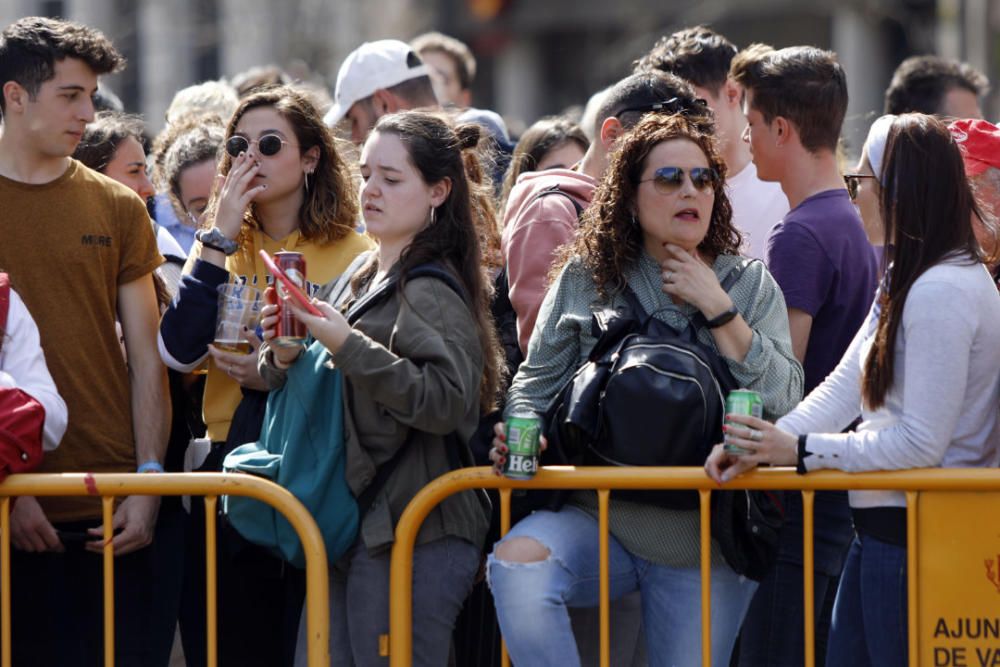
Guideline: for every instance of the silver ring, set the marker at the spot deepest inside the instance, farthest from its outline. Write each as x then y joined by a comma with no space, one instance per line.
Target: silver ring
756,435
230,371
668,276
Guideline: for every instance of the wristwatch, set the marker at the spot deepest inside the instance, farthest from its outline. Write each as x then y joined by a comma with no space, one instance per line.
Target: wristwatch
723,318
214,238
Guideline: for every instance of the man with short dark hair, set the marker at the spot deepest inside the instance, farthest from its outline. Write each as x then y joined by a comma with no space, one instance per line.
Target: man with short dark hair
795,103
936,86
81,250
702,57
453,67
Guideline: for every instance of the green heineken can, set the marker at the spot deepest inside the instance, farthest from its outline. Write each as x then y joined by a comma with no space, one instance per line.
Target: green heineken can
746,403
522,447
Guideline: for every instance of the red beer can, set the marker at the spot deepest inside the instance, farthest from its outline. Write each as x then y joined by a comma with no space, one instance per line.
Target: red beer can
289,331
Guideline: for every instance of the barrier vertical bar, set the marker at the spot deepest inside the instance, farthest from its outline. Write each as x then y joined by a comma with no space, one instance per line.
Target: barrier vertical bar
911,577
706,576
808,557
504,529
602,504
211,571
5,580
109,582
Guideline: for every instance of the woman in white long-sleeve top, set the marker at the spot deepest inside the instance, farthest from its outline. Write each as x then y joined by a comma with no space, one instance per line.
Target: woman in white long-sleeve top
923,373
22,366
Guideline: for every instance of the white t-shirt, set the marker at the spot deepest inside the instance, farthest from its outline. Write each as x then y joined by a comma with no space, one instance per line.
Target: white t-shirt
757,207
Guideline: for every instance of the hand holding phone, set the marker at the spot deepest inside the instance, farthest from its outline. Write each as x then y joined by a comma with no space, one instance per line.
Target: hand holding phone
289,285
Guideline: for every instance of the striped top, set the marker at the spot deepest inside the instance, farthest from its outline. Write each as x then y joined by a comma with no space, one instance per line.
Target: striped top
563,338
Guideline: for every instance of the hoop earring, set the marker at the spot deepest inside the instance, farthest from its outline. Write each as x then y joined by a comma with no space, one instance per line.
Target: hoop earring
306,177
433,211
635,223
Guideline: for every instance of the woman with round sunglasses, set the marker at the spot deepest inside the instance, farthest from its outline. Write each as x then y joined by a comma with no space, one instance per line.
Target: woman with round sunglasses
661,223
281,185
923,372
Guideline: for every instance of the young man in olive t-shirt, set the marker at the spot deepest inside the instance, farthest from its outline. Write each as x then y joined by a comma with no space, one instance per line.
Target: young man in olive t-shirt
81,251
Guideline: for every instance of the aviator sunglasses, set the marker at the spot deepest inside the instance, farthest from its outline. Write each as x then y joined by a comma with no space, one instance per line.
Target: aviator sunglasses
668,180
852,181
267,145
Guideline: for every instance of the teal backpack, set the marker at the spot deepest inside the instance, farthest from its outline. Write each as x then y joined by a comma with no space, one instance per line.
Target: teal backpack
301,448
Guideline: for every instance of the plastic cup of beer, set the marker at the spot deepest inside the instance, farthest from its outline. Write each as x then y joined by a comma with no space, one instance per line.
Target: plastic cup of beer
239,307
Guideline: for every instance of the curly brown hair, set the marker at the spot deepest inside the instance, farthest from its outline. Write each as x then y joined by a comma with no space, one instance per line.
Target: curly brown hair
608,240
329,210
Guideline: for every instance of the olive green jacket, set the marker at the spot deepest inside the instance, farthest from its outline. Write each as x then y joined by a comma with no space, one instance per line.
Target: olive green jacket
412,369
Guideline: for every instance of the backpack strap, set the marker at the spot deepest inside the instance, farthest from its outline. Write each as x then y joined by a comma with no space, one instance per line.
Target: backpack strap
556,190
388,286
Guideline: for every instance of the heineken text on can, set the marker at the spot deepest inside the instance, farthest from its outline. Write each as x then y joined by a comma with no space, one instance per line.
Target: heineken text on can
522,447
289,331
743,402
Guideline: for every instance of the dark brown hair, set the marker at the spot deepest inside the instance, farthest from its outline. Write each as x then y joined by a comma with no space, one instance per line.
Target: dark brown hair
30,47
100,140
608,240
921,82
803,84
439,152
698,55
543,136
927,207
329,209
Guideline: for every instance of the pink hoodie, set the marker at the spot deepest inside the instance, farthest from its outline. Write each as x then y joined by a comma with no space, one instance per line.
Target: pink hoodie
533,228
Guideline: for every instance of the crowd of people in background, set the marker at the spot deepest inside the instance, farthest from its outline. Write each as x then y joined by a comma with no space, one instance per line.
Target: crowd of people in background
709,183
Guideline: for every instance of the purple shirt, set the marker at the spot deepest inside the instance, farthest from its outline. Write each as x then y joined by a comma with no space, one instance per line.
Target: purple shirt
822,260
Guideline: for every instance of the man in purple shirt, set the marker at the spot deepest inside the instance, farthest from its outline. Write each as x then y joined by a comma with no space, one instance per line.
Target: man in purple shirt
795,100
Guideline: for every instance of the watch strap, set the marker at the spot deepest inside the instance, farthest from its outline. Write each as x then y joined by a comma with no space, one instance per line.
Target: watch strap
723,318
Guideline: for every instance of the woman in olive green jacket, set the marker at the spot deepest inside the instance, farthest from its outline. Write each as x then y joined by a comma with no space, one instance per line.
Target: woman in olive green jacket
418,369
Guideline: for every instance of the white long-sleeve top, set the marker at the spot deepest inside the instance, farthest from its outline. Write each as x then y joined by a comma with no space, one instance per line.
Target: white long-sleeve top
22,366
942,408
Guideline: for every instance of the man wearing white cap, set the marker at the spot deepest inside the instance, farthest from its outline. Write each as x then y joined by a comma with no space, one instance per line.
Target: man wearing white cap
379,78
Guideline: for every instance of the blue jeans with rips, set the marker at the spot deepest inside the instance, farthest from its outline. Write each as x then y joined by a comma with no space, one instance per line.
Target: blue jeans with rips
532,598
869,626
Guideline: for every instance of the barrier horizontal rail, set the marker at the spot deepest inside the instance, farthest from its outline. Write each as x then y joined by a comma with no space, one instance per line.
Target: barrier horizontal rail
606,479
211,485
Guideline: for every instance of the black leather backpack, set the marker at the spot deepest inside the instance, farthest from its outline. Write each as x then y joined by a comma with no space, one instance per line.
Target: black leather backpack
647,396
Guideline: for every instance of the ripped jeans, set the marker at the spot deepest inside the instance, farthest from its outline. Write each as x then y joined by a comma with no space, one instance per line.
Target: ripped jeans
532,598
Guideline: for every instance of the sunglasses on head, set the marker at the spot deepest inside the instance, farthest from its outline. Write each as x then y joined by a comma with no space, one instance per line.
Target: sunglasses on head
852,181
668,180
673,105
267,145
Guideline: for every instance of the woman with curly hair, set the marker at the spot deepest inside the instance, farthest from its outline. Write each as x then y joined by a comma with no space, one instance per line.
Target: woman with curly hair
660,223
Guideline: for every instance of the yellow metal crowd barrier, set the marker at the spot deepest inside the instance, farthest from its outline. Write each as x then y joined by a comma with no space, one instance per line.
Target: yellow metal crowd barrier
210,485
957,481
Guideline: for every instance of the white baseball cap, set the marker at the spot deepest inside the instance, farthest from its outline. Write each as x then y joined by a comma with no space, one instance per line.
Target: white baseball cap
370,67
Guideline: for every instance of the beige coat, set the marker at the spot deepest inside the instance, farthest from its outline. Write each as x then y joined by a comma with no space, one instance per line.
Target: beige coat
413,363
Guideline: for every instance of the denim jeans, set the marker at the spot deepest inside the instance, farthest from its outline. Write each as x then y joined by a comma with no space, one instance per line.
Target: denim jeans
869,617
532,598
772,634
443,573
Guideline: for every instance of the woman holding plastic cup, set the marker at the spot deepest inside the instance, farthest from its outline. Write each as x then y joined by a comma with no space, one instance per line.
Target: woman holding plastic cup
281,185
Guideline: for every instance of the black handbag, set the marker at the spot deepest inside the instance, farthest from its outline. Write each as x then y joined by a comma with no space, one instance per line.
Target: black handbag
648,395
